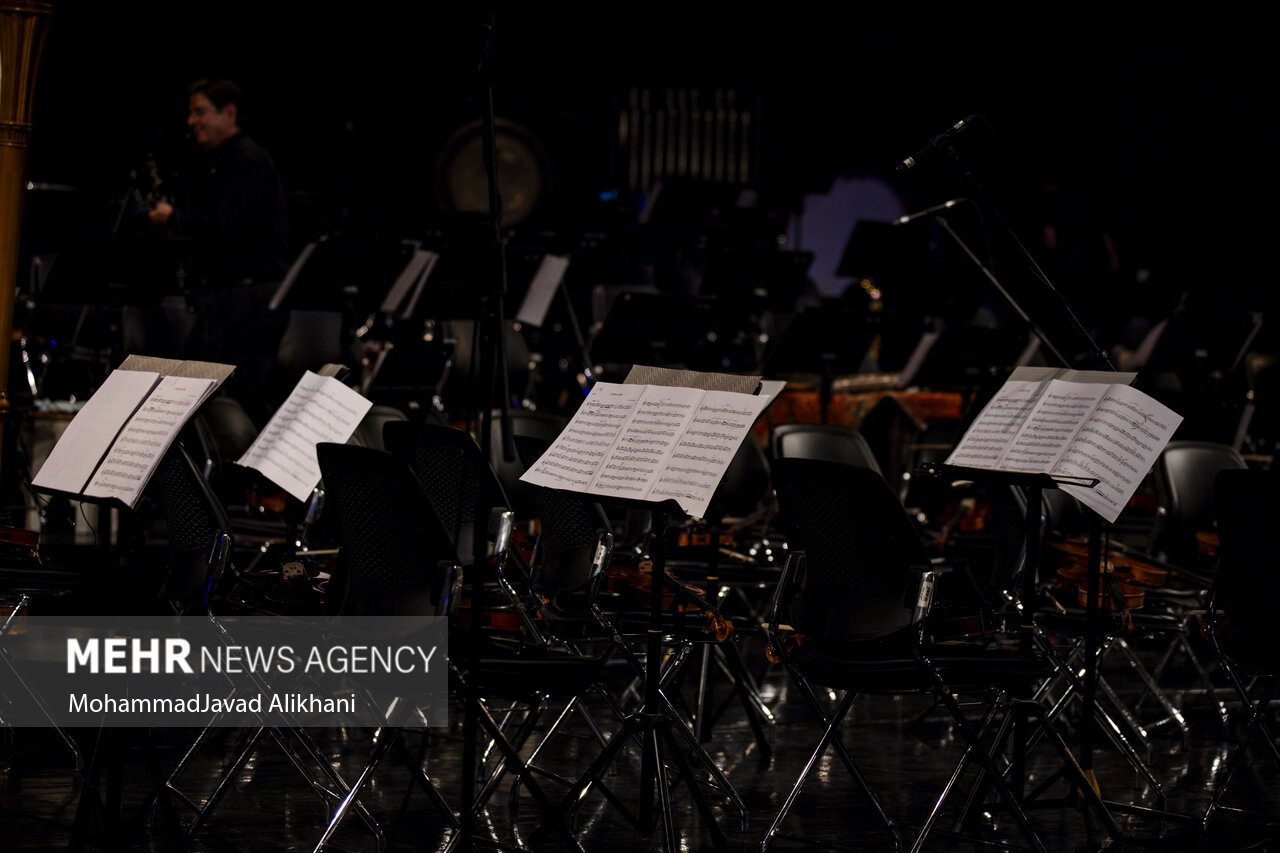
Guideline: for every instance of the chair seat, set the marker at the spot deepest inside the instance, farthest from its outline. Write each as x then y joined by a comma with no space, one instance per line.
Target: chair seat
895,670
508,667
1145,623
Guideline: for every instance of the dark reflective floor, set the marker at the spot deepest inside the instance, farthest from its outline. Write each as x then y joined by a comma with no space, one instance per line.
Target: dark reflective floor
904,748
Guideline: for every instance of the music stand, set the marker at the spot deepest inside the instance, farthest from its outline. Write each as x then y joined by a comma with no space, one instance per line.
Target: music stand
1035,484
694,332
768,280
975,360
824,341
653,721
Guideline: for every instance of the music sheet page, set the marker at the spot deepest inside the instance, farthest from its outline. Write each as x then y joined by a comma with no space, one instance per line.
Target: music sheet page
703,453
320,408
1109,432
1051,426
1118,445
576,456
133,456
647,441
997,425
90,433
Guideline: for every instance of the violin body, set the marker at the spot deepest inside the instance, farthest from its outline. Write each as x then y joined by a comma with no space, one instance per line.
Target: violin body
1119,592
1140,571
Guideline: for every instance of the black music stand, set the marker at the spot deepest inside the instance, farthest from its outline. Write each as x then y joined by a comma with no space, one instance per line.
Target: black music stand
768,280
653,722
965,356
701,333
1035,484
825,341
556,341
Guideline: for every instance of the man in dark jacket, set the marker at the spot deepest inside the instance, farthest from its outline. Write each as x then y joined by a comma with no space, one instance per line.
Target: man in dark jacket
231,206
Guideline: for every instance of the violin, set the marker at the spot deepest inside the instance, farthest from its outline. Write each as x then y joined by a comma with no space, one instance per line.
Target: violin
949,622
1117,590
967,515
1139,571
507,618
636,583
294,588
624,579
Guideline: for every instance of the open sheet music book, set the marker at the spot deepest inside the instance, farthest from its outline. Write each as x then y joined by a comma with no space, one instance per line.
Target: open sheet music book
320,408
650,443
1074,431
111,448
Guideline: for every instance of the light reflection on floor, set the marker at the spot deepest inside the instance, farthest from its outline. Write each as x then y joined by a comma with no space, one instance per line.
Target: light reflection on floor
905,757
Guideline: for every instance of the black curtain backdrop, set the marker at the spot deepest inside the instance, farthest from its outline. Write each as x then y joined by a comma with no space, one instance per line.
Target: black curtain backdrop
1151,125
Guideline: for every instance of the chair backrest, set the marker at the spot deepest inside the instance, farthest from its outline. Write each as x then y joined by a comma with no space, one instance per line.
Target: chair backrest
1184,477
543,425
369,431
570,531
832,442
453,470
860,549
1246,587
745,487
395,551
196,524
229,426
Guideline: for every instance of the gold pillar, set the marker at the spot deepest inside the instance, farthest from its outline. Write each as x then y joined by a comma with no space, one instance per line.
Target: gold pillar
23,24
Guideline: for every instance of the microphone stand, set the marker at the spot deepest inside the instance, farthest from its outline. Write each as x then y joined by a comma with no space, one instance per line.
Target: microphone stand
493,383
1008,297
972,188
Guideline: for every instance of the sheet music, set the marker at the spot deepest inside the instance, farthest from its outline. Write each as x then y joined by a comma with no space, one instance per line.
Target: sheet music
706,448
133,456
1108,432
997,425
575,457
542,289
416,267
1051,426
1119,445
320,408
90,433
649,442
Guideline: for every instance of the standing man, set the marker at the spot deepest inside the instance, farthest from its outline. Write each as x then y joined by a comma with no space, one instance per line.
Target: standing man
230,204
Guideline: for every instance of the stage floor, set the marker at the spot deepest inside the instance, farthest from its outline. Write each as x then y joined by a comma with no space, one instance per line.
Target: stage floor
904,749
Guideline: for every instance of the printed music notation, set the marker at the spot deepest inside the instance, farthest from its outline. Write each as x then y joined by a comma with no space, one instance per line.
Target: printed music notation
127,466
1101,431
650,442
113,445
319,409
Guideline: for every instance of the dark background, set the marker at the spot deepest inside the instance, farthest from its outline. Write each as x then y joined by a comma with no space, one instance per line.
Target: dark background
1156,127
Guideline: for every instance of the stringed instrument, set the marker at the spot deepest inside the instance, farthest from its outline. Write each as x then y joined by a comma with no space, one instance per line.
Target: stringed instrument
1139,570
634,585
1117,590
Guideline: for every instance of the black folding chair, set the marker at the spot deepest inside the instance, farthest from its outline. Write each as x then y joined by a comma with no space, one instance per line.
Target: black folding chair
1244,609
851,614
200,546
399,559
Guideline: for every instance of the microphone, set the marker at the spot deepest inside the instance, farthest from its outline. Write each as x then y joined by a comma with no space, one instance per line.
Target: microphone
941,140
946,205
